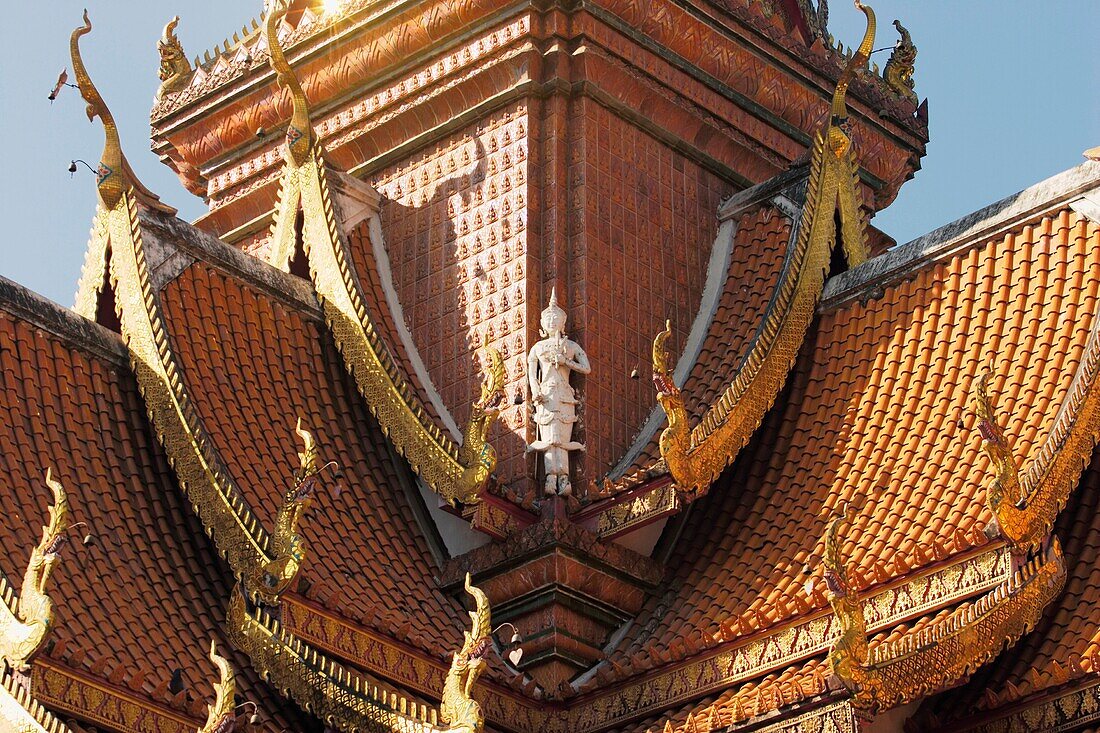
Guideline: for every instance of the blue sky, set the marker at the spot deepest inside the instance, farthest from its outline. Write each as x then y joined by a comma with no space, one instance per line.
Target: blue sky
1014,89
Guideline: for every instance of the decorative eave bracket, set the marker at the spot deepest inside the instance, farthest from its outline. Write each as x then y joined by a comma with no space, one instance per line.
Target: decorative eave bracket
1025,503
26,619
221,715
938,656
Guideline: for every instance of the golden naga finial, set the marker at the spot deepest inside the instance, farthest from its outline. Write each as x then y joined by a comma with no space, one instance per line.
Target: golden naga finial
661,360
848,658
114,176
221,717
1007,495
23,629
289,548
675,441
898,71
109,177
477,457
308,456
1006,485
838,140
299,134
458,709
175,69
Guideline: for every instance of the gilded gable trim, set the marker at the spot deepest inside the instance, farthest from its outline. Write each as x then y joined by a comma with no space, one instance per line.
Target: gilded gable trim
84,697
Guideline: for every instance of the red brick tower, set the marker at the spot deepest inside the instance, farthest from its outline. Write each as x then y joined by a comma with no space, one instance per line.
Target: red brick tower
519,148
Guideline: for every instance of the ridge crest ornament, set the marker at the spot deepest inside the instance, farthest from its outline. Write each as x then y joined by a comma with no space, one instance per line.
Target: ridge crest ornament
458,709
26,619
175,70
549,364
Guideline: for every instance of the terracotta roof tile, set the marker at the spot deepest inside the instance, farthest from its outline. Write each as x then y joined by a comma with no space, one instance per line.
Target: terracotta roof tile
146,597
253,367
875,414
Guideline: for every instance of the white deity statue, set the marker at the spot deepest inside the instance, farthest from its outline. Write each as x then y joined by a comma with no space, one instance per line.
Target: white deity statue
548,367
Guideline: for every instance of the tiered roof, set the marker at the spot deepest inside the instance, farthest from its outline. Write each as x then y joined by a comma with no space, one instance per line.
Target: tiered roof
876,416
750,614
134,604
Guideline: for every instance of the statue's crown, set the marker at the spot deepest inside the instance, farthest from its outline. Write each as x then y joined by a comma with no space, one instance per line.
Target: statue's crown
553,309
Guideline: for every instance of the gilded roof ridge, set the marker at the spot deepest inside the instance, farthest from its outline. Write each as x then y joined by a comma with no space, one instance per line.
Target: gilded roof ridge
1063,709
738,661
784,191
939,634
339,695
200,469
697,455
950,647
1026,501
456,471
941,243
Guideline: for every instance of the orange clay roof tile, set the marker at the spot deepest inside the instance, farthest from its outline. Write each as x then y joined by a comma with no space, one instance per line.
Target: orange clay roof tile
881,420
147,595
253,367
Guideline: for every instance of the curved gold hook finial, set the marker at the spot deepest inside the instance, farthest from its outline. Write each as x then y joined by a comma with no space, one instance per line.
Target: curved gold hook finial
836,574
114,175
59,511
457,708
299,135
481,620
492,386
169,35
838,140
109,176
175,70
223,709
662,360
308,456
858,61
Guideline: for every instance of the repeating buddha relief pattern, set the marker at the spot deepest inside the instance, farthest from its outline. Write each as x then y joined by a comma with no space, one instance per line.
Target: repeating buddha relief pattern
455,223
645,218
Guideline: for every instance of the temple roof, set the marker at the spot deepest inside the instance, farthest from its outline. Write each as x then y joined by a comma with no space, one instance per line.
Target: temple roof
840,512
875,415
253,366
142,599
